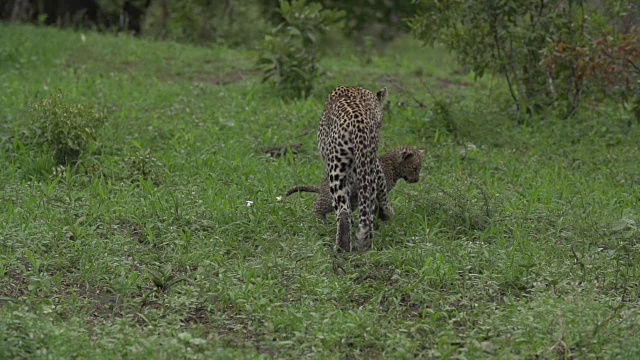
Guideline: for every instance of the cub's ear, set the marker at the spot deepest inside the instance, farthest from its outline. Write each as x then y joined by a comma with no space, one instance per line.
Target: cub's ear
382,95
406,155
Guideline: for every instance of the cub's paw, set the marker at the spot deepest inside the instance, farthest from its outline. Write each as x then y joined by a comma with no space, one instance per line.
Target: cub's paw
385,213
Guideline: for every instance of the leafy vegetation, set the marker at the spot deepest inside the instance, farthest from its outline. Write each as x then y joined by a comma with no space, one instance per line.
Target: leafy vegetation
379,19
233,23
551,53
289,54
65,130
167,238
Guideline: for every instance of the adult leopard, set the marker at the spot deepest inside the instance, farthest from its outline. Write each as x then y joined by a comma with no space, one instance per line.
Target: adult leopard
348,139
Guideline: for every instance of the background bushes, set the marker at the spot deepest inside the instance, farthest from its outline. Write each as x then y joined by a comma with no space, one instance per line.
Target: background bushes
551,54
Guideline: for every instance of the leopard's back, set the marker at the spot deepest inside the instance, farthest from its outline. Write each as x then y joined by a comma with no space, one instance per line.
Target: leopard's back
348,138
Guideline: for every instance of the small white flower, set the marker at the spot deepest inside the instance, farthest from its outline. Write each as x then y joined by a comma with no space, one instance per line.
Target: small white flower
249,203
279,198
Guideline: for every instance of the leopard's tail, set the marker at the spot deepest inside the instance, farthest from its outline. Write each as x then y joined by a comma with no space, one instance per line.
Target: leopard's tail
303,188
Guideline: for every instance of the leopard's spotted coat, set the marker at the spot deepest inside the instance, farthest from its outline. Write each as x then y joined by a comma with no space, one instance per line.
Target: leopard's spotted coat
348,138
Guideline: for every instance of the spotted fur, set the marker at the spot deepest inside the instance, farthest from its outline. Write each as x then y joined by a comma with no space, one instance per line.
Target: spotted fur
400,163
348,138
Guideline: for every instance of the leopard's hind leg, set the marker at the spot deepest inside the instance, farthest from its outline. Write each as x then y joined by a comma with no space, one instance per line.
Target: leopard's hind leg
365,160
340,184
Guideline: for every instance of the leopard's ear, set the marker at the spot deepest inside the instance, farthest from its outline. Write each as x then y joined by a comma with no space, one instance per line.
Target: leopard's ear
382,95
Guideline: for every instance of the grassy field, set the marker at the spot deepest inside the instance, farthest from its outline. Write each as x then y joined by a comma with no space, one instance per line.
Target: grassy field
169,239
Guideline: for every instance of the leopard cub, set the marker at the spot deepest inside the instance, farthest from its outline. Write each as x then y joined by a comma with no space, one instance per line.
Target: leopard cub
400,163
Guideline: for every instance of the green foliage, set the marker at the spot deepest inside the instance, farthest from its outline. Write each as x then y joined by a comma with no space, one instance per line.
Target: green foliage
292,68
163,278
235,23
307,20
442,117
141,164
380,19
607,67
517,242
289,54
519,39
66,130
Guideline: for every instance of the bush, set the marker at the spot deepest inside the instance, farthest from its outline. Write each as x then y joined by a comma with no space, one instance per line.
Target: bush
542,48
602,64
142,165
289,54
379,19
65,130
235,23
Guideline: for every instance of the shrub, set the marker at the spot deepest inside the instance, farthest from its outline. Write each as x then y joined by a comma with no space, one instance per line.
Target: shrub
289,54
379,19
541,48
235,23
603,64
142,165
63,129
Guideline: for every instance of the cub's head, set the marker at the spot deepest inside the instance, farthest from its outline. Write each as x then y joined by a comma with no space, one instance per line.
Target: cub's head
410,163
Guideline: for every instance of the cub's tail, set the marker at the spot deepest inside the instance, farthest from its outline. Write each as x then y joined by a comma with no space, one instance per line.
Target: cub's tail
303,188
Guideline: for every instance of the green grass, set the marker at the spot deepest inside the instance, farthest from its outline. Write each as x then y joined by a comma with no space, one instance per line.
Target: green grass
520,241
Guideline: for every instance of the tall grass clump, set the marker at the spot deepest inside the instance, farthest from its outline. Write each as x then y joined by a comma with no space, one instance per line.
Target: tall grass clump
64,130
